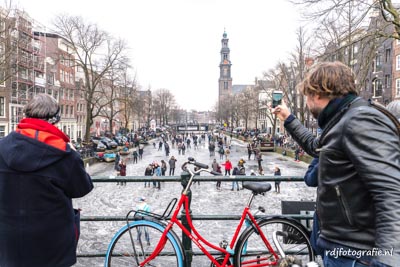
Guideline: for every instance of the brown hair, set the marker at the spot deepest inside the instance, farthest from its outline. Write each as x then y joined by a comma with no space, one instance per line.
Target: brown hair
329,79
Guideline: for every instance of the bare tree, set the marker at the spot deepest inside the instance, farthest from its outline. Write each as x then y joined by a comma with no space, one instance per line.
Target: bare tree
247,107
353,14
142,105
272,80
356,33
295,73
10,41
7,26
176,116
163,103
113,90
96,52
234,110
286,76
127,97
229,110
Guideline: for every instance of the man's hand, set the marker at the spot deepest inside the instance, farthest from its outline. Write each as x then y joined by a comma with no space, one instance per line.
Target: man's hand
282,111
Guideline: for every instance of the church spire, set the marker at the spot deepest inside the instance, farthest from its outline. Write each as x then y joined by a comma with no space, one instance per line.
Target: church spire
225,79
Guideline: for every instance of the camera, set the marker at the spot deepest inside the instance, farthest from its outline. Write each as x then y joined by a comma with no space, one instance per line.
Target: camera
277,98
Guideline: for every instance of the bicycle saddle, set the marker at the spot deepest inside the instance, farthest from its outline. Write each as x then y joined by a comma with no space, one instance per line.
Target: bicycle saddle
257,187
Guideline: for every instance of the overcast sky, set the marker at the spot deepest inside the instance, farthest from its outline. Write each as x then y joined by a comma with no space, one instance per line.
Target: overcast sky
175,44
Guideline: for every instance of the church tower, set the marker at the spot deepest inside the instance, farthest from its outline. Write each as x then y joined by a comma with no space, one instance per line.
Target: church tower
225,79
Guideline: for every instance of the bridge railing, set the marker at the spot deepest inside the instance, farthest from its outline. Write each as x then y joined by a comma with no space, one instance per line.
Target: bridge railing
188,246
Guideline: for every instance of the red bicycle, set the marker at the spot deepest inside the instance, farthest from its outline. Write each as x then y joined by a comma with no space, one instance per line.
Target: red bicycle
148,239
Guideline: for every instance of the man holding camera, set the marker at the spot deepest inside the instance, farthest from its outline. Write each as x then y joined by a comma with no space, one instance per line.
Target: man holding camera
359,169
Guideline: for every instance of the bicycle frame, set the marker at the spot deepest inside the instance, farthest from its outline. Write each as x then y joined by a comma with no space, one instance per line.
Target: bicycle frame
196,238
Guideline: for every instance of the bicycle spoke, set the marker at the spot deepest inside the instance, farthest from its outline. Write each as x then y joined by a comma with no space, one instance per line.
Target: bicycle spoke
292,240
139,243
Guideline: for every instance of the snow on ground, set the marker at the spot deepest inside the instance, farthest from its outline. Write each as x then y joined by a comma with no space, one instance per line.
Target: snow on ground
109,199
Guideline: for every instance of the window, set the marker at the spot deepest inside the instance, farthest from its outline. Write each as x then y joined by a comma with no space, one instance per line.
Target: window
346,51
355,49
387,55
14,91
22,91
24,73
31,93
366,86
397,87
2,77
398,62
2,131
24,58
225,85
378,63
387,81
2,60
2,26
41,90
50,78
377,87
2,107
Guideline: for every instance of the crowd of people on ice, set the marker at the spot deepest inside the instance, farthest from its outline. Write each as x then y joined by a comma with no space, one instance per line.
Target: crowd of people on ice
216,143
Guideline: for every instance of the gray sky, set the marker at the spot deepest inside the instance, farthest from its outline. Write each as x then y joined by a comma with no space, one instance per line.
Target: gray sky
175,44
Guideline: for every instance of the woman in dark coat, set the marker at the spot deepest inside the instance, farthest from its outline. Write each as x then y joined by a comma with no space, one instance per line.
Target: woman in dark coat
40,174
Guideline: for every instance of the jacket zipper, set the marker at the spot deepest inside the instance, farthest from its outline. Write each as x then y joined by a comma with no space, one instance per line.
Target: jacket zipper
344,205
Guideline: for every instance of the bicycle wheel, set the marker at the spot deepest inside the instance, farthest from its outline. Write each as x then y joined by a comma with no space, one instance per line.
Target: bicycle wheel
250,250
145,236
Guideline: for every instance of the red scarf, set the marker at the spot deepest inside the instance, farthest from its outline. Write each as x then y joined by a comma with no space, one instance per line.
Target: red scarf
43,131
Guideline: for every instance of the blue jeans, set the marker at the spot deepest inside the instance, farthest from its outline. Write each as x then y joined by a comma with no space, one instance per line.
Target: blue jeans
330,261
235,183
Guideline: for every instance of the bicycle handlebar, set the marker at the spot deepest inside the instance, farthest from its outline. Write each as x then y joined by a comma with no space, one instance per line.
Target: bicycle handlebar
197,164
202,166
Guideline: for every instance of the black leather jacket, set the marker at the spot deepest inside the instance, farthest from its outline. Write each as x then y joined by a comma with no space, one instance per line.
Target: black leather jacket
358,200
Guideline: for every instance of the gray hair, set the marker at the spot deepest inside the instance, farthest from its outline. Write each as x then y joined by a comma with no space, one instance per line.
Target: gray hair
42,106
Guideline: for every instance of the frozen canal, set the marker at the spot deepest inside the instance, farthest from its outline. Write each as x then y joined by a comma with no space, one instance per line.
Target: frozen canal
110,199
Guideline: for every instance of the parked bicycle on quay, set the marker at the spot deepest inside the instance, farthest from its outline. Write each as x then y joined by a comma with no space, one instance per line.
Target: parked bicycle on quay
268,241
